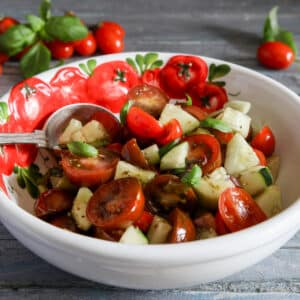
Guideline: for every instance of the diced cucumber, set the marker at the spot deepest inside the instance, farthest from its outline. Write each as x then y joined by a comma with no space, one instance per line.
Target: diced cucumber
77,136
158,231
73,126
239,156
62,183
255,180
79,208
200,131
211,186
205,233
273,163
94,131
134,236
151,154
242,106
187,121
175,158
125,169
236,120
270,201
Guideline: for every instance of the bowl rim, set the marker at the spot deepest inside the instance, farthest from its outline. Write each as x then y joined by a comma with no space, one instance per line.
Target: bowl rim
177,254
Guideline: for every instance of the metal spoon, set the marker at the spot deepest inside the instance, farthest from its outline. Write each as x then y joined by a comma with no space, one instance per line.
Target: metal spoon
54,126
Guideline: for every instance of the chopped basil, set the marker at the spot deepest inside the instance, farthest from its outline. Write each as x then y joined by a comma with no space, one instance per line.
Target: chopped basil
82,149
193,176
215,124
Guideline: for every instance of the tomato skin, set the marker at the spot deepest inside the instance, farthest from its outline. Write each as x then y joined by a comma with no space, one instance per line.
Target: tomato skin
172,131
238,209
86,46
90,171
205,151
144,222
221,228
151,77
64,222
223,137
110,37
115,147
195,111
208,96
7,22
3,58
261,157
264,141
61,50
183,227
109,84
1,70
181,71
275,55
8,156
142,124
116,204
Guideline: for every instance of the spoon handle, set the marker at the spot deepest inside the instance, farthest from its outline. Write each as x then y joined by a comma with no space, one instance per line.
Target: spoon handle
37,137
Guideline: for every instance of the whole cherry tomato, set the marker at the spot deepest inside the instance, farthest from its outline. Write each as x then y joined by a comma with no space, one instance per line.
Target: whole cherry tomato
110,37
275,55
144,222
61,50
142,124
238,210
261,157
151,77
109,84
3,58
172,131
86,46
6,23
220,225
90,171
208,96
183,228
116,204
180,72
264,141
205,151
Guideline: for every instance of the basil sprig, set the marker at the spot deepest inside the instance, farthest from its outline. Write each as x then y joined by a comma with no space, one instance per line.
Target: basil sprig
82,149
218,71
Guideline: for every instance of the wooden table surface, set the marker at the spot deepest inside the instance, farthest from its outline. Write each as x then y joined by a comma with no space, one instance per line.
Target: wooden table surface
228,30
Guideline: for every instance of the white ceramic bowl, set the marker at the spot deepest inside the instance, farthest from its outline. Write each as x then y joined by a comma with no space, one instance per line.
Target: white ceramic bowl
187,264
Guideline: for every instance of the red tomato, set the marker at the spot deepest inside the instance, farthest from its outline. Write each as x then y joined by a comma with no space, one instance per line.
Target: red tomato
23,52
86,46
208,96
51,202
2,185
64,222
261,157
144,222
205,151
109,84
183,227
7,159
275,55
90,171
3,58
238,210
151,77
116,204
223,137
206,220
61,50
69,86
195,111
110,37
172,131
115,147
112,235
25,154
220,225
6,23
1,70
181,71
142,124
264,141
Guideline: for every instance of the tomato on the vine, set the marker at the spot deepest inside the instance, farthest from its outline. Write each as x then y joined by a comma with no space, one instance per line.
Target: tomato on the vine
86,46
180,72
264,141
61,50
7,22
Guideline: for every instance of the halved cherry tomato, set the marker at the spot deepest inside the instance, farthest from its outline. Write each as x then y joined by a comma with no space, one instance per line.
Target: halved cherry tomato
90,171
220,225
61,50
208,96
223,137
132,153
86,46
112,235
52,202
205,151
116,204
261,157
183,227
172,131
181,71
151,77
165,192
115,147
149,98
264,141
7,22
205,220
110,82
275,55
64,222
238,209
144,222
195,111
142,124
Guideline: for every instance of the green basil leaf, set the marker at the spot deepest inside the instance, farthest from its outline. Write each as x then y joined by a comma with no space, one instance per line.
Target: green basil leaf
178,171
3,112
150,58
31,187
215,124
84,68
193,176
271,27
35,22
91,63
36,60
20,179
287,38
66,28
156,64
140,62
131,62
220,71
82,149
16,38
45,10
124,111
211,72
166,148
